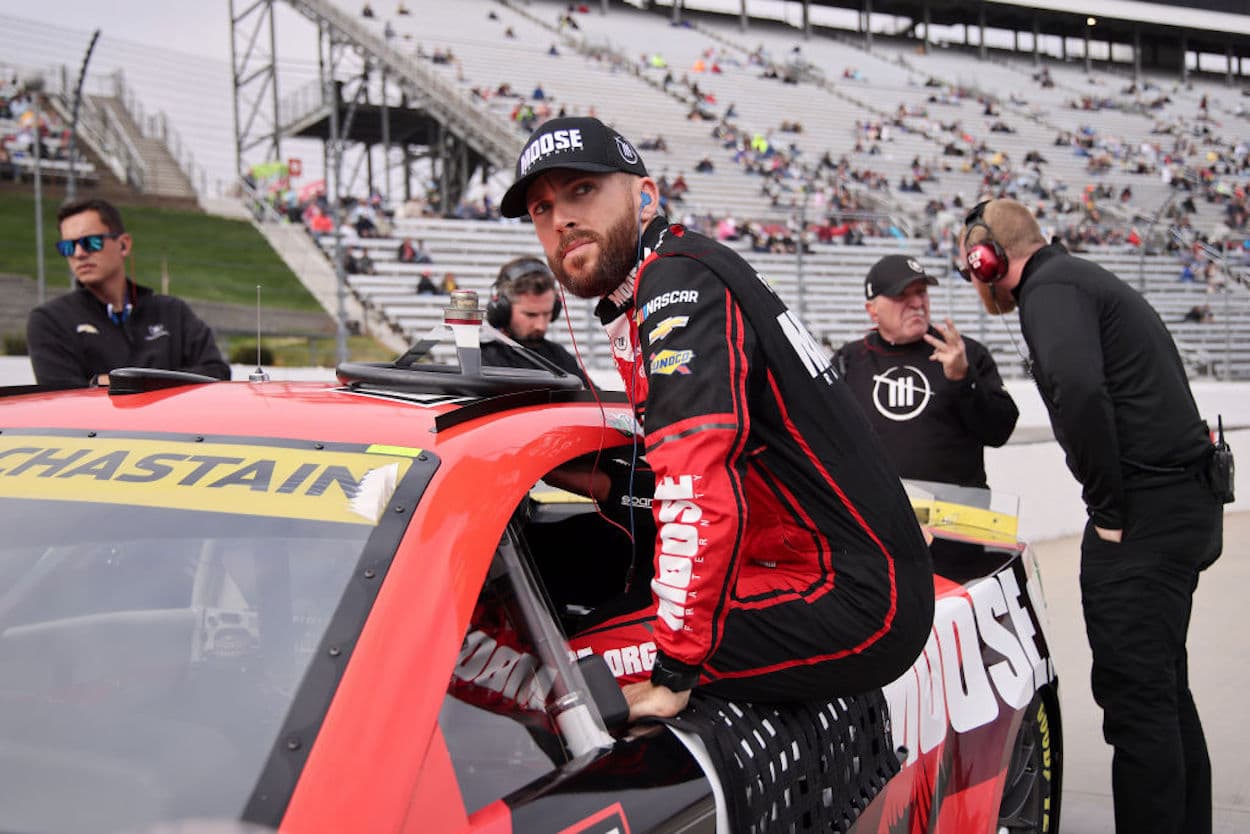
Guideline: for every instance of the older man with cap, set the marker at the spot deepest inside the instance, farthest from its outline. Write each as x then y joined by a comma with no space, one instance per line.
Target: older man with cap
788,564
933,395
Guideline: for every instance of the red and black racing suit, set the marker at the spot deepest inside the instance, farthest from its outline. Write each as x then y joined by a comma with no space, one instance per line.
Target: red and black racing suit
788,561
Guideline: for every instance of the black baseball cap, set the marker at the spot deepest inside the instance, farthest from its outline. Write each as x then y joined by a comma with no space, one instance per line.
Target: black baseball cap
577,142
893,274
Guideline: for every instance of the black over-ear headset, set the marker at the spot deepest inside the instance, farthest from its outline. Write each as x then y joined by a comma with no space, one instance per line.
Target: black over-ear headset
499,308
985,260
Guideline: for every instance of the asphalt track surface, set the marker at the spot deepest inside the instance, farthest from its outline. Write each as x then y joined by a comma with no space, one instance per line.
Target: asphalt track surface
1219,674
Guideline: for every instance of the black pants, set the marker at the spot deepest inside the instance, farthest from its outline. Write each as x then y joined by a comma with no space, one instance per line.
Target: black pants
1137,596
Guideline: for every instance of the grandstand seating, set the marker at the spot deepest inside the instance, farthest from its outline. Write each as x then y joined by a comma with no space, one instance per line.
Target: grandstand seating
603,69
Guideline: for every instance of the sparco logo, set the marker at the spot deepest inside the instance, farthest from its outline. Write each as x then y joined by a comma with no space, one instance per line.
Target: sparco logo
679,518
549,143
901,393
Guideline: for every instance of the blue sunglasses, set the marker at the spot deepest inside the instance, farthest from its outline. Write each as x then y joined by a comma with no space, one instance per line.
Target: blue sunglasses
89,243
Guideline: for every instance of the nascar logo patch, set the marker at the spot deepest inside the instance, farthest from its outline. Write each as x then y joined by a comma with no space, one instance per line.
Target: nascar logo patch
669,362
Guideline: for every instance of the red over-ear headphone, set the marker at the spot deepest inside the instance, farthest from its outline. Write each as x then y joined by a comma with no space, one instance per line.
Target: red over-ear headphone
984,260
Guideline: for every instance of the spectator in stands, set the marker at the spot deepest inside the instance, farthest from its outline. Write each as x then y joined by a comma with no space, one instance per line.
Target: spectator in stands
705,165
748,429
448,285
933,395
425,286
1200,313
407,252
362,221
108,321
523,304
366,11
359,262
538,94
401,9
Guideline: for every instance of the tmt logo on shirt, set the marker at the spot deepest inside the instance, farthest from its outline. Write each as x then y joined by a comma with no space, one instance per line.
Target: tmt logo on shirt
901,393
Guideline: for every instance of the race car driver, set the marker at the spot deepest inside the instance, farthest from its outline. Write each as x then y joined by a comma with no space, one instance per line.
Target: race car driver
788,562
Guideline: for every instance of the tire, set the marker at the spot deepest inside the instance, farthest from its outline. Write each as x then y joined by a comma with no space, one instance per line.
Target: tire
1034,779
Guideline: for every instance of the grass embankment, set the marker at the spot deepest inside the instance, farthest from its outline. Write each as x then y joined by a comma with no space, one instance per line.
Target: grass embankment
206,258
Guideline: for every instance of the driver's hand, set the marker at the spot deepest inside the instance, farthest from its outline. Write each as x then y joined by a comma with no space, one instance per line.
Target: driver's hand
645,699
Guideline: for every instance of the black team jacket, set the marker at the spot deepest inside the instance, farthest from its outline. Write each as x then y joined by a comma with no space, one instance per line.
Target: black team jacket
72,338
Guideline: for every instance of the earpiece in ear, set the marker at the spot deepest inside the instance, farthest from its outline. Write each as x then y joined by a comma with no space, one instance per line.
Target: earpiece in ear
646,199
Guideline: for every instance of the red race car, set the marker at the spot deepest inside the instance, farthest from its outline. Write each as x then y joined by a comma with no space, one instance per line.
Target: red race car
321,607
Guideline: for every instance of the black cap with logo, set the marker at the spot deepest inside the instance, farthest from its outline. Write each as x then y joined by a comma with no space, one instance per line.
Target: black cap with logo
580,143
893,274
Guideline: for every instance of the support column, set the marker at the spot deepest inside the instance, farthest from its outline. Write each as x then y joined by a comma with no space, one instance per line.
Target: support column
1136,54
1228,65
924,45
1015,40
742,16
868,25
1037,56
386,144
1063,46
1088,29
1184,62
273,57
677,11
807,19
981,30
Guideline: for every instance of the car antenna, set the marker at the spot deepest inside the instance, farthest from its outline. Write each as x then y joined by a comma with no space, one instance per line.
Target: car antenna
259,374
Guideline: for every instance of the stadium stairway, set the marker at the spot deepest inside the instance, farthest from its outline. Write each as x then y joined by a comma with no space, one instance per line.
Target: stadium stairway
162,176
314,268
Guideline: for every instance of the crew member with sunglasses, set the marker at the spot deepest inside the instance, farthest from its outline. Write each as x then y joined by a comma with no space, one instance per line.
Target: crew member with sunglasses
108,321
1121,408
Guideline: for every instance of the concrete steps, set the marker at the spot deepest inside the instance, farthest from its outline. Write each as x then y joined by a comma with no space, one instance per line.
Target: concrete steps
299,252
163,176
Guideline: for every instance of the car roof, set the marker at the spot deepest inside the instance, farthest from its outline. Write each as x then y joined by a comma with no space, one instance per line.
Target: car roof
316,411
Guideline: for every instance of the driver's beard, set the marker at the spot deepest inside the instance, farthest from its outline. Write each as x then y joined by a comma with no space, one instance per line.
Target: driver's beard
618,253
996,302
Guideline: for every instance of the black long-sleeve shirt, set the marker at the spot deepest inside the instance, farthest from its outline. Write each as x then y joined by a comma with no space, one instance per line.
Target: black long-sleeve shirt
1111,377
933,429
499,354
72,338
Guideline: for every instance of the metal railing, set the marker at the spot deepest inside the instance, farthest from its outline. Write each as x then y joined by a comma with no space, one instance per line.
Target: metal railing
100,130
455,108
157,126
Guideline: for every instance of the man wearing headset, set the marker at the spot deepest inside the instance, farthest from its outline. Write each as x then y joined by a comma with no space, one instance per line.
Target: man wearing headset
1121,408
933,395
788,561
523,305
108,321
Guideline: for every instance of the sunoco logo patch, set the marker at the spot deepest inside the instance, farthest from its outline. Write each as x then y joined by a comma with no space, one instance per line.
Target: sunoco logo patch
669,362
